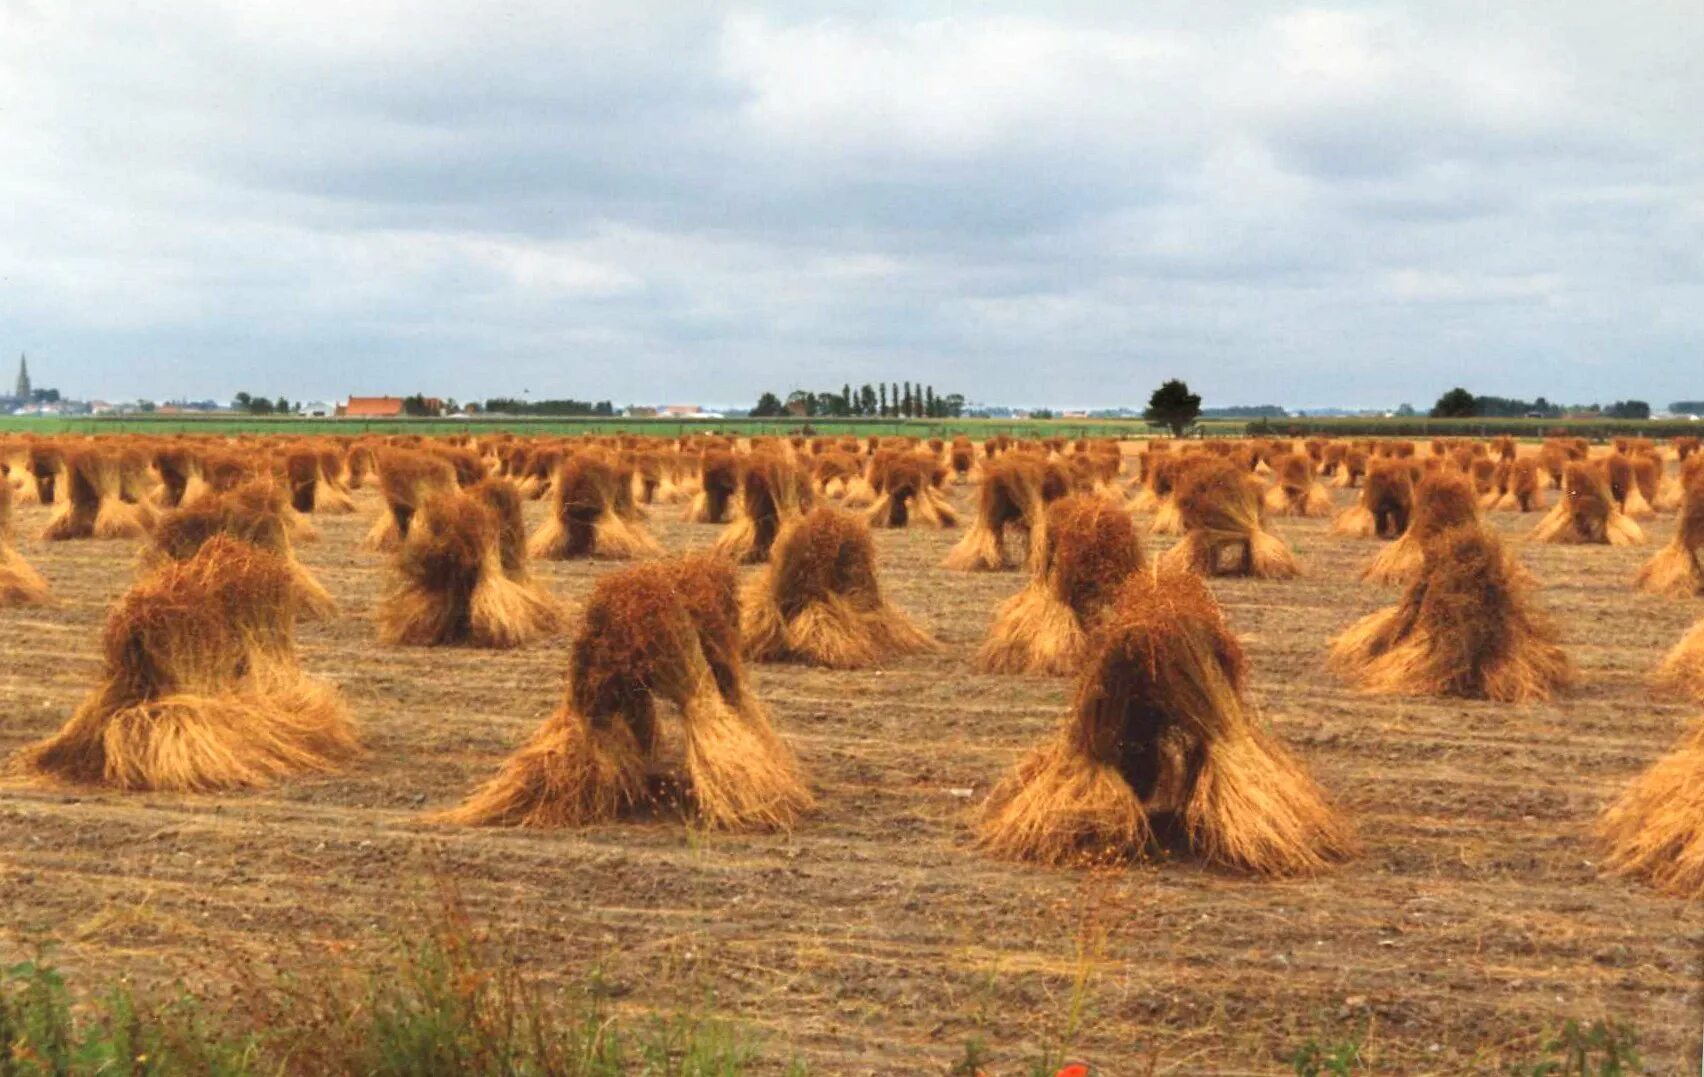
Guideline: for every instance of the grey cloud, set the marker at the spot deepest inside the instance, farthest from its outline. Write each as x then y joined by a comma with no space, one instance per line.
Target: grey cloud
1286,204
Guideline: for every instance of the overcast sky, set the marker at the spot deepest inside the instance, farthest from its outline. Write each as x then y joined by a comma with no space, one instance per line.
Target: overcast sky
1357,204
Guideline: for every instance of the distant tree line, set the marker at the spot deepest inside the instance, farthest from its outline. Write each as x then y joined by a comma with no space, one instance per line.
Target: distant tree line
260,405
1624,409
1458,403
510,406
1687,407
421,406
896,400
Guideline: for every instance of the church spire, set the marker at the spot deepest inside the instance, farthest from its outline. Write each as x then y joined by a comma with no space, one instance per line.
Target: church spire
23,378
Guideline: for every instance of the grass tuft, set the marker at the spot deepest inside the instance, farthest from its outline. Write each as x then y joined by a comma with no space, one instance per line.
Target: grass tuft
448,1006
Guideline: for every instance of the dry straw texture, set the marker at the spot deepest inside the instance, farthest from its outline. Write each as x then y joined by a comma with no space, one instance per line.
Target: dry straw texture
774,491
176,465
1521,489
44,475
1296,489
201,690
406,478
1015,490
1086,550
1465,627
1160,738
94,506
253,513
1442,500
664,631
588,514
1224,533
909,495
820,601
1587,511
1386,501
1655,830
1677,569
460,577
1682,668
718,482
20,584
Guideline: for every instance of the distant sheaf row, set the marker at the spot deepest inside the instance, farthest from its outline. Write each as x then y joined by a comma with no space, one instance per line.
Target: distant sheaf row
201,690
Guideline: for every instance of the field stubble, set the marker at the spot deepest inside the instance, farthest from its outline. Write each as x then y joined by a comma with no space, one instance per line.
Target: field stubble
875,936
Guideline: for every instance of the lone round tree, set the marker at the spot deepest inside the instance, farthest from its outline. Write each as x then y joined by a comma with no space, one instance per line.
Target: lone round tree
1174,406
1458,403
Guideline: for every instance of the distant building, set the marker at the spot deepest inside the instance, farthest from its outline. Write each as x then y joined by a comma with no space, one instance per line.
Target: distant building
371,407
680,411
319,409
640,411
24,387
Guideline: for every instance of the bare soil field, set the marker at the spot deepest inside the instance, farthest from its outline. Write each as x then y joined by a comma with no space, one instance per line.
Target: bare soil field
876,938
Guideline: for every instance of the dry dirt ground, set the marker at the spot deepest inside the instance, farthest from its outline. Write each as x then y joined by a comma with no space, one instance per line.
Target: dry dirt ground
875,937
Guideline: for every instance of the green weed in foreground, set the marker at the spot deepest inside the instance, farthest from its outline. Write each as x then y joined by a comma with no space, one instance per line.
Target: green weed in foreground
39,1033
453,1005
1602,1049
446,1008
1315,1059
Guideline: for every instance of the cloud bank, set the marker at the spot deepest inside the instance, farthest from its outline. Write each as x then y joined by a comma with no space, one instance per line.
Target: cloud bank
1360,204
